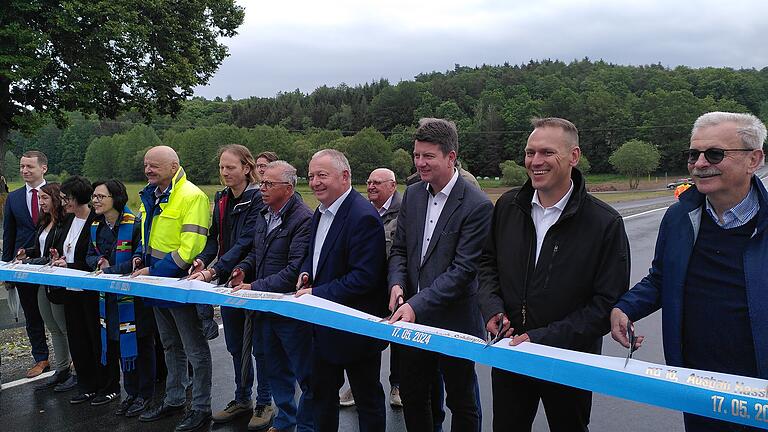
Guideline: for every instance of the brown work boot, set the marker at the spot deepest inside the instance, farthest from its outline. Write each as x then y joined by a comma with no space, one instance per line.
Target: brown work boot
262,417
38,368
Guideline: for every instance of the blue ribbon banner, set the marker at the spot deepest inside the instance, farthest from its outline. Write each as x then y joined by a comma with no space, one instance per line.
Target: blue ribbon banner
722,396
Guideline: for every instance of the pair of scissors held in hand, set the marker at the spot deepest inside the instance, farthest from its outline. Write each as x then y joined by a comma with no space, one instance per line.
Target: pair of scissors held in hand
500,334
399,301
632,340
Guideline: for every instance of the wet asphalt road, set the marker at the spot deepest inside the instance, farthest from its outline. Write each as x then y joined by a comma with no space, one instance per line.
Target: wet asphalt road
22,409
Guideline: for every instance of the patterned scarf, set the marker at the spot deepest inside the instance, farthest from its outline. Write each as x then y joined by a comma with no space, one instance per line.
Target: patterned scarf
125,305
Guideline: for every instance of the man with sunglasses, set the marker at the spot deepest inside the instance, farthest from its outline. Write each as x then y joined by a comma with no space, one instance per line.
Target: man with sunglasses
710,261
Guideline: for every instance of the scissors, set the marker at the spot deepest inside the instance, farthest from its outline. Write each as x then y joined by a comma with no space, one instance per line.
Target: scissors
632,340
500,334
226,284
399,301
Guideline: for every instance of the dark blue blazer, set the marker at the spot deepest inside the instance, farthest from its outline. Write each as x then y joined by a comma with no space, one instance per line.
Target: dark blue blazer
351,271
18,229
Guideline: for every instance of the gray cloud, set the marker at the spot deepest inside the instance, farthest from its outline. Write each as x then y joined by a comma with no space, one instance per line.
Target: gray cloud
355,43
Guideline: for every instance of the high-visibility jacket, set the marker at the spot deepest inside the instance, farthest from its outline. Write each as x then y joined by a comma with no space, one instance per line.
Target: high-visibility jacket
175,227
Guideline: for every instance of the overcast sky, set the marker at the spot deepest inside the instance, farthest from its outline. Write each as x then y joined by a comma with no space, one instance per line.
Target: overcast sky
288,44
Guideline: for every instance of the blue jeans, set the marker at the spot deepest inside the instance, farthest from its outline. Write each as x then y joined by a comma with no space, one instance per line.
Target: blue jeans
288,345
234,327
182,335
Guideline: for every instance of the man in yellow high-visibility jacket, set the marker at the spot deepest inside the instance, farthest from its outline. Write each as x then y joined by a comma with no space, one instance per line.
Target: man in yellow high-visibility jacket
176,217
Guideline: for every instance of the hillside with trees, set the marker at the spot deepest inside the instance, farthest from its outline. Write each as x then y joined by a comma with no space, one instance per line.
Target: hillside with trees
373,122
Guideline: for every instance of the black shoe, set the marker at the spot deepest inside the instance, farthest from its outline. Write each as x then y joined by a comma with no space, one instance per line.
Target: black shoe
67,385
193,420
124,405
139,405
159,412
104,399
57,378
82,397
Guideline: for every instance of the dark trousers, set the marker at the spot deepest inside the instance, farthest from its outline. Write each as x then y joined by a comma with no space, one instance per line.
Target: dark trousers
234,328
695,423
140,381
81,309
288,346
34,321
516,400
419,369
327,379
394,365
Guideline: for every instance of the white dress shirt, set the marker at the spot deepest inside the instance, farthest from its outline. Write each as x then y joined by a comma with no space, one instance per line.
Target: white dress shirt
29,195
545,217
386,205
435,205
326,219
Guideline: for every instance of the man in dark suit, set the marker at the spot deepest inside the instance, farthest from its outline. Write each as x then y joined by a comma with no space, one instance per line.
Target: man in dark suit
20,216
345,264
442,225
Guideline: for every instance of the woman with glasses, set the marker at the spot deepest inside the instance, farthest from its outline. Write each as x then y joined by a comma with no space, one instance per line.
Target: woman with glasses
81,307
50,300
229,238
127,324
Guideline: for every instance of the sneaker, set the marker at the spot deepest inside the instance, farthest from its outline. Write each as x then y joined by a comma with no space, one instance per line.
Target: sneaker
394,397
346,399
262,417
104,399
137,407
160,411
193,420
124,405
232,410
82,397
67,385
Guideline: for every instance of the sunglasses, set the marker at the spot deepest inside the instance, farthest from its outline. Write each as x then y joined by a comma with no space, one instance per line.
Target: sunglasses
712,155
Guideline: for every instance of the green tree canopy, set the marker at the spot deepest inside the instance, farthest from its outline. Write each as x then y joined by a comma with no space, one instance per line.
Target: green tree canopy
513,174
104,57
634,159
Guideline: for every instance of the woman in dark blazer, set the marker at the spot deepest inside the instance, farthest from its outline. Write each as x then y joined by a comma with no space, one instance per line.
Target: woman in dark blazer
81,307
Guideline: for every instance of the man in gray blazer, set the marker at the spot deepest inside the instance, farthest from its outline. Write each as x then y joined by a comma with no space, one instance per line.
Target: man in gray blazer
440,233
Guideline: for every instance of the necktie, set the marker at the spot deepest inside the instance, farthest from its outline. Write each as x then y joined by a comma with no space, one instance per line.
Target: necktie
35,207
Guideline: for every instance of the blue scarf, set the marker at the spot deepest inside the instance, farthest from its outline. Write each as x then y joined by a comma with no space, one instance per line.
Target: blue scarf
125,304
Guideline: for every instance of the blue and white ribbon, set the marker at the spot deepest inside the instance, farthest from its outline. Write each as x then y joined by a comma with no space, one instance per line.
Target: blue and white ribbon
726,397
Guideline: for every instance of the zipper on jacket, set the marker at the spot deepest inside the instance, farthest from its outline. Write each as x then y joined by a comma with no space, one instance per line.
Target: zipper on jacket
549,267
524,308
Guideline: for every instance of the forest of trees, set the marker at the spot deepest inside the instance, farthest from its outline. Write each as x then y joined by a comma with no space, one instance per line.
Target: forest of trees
373,123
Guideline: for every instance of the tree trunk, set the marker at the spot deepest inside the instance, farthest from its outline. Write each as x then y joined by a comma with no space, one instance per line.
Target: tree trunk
5,122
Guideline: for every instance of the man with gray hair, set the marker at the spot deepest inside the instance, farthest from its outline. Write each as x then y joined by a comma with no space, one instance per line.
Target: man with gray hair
710,261
346,264
280,242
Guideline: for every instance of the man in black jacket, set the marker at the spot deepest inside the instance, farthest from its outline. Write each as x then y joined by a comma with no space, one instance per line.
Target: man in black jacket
555,263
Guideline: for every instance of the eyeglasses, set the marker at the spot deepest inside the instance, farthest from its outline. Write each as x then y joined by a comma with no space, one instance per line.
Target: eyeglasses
261,166
99,197
377,183
713,155
271,184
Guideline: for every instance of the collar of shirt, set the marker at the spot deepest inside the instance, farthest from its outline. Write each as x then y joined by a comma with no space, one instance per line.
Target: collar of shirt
560,205
29,188
269,214
386,205
448,188
333,208
740,214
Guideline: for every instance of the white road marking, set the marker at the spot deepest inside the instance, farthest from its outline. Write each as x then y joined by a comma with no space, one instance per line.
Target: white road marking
644,213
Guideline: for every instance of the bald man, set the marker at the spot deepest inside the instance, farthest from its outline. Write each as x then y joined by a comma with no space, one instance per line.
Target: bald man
175,218
382,193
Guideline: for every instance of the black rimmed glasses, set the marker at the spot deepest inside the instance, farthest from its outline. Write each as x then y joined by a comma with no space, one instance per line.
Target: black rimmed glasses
713,155
270,184
99,197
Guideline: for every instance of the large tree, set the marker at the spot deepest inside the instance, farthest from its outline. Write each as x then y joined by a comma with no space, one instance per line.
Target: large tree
104,57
